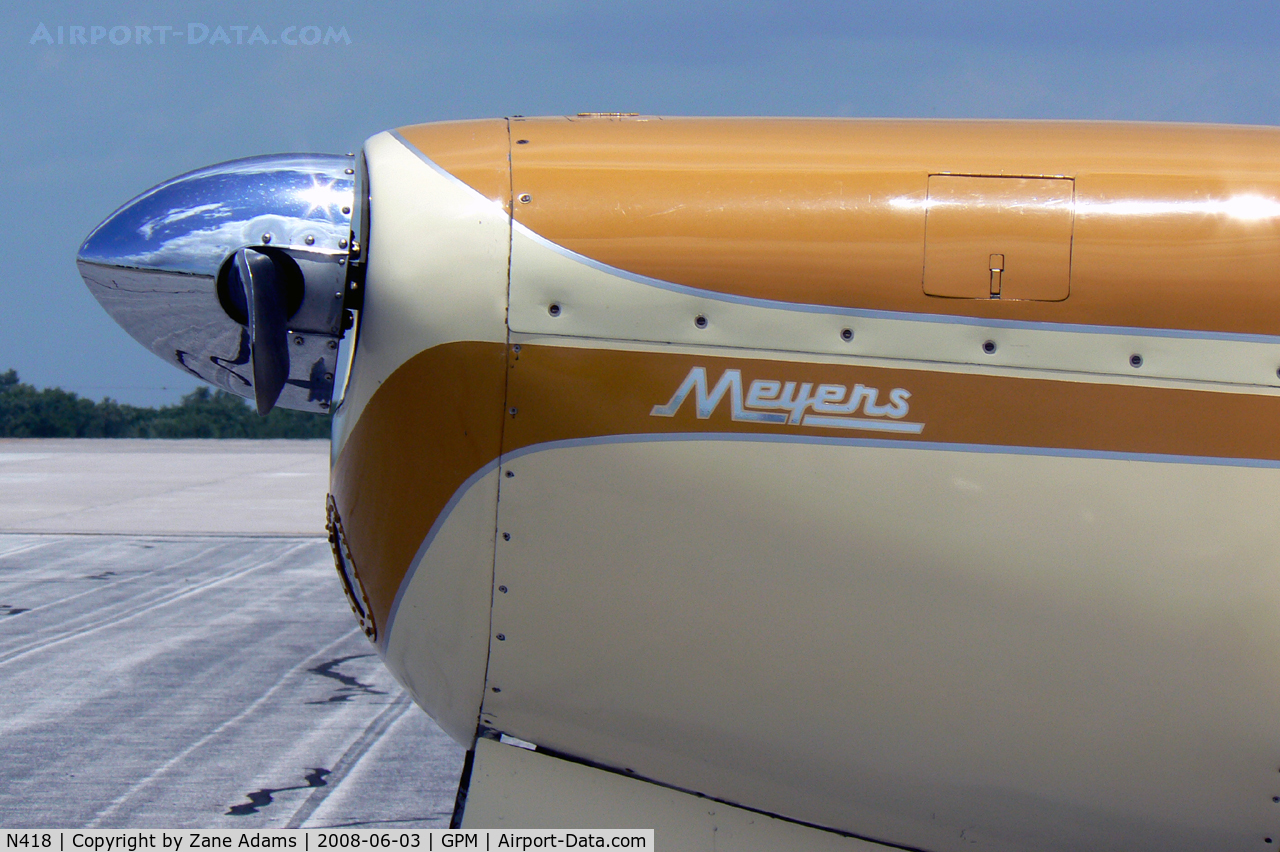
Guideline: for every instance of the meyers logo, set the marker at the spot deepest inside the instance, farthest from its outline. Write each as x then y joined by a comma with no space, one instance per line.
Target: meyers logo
769,401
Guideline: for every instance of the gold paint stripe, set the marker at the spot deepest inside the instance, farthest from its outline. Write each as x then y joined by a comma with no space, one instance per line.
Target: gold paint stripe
440,418
567,393
434,422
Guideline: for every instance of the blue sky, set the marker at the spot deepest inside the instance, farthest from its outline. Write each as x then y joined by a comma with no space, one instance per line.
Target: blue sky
89,126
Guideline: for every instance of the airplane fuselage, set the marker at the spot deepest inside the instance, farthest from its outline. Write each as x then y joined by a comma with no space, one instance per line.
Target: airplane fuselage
916,481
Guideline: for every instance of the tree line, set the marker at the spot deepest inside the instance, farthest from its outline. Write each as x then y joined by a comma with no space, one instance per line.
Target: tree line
26,412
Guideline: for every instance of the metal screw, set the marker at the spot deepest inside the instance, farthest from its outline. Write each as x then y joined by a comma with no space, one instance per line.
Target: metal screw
328,377
337,295
1275,798
266,238
524,198
846,334
502,637
502,589
522,141
989,347
310,240
350,171
554,309
506,536
349,154
1135,361
298,341
333,344
510,474
342,243
513,412
346,209
342,261
700,321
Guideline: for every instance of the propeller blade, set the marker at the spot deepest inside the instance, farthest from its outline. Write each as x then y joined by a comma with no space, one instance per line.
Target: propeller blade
268,334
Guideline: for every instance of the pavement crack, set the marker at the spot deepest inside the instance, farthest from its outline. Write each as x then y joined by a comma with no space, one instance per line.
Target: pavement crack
351,685
265,796
122,611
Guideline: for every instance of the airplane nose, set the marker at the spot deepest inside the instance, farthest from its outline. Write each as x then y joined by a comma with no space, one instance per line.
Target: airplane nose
235,273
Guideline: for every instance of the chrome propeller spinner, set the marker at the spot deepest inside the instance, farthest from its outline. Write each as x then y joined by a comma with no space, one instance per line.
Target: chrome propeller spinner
235,273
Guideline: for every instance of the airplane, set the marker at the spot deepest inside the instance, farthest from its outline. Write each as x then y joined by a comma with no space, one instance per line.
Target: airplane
782,483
